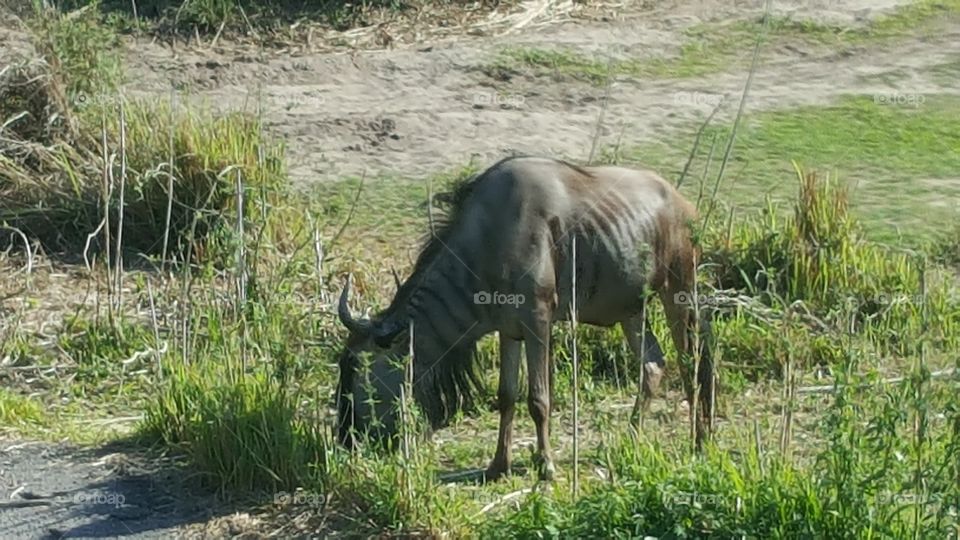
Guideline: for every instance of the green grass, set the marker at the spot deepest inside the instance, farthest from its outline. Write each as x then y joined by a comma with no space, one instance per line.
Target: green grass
19,411
709,48
243,430
901,161
662,494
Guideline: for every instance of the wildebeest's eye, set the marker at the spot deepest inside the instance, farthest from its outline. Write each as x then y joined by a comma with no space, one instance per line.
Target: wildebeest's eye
384,342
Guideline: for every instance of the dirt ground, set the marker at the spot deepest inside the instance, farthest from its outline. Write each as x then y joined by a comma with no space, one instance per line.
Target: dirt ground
424,108
410,111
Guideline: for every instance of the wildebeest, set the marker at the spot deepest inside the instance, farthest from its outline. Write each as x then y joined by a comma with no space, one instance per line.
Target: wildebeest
502,261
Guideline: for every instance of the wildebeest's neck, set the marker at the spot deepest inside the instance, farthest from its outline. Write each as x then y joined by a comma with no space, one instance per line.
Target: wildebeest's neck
441,246
439,299
446,326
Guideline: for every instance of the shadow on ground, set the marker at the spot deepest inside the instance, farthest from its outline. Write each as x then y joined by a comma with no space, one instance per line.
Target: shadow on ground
118,490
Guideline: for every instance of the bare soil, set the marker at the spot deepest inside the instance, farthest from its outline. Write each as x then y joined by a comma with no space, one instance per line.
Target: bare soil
421,108
410,111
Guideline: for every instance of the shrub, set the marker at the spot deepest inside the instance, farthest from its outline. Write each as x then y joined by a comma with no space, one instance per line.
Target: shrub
71,148
819,257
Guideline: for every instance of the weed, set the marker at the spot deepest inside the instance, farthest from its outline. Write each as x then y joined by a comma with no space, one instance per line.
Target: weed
82,53
245,433
17,410
102,350
177,170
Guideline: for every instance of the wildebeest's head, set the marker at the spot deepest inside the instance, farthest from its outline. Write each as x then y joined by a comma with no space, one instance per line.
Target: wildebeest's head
370,375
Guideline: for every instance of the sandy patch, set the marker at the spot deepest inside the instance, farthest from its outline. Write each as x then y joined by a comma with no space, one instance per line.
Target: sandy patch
418,110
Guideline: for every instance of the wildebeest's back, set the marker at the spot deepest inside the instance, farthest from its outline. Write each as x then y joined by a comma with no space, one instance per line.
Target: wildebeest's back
522,215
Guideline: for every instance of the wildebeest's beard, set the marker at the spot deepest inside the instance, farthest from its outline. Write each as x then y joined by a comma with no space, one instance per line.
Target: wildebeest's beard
444,383
445,379
343,396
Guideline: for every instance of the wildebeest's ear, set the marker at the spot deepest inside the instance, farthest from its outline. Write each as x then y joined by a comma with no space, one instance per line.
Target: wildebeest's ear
387,332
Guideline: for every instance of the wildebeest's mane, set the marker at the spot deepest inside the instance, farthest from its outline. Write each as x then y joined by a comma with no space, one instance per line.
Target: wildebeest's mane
443,224
441,228
450,384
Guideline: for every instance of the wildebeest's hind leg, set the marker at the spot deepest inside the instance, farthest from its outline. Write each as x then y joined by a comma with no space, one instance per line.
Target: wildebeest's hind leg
508,391
536,339
646,349
678,306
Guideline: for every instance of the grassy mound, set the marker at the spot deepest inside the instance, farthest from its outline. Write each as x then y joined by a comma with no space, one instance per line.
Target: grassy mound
817,263
80,164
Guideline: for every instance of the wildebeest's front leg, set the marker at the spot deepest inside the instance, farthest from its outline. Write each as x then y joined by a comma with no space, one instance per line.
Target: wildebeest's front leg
508,392
540,398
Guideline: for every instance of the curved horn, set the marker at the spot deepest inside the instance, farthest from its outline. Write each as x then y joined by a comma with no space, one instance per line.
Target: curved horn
343,310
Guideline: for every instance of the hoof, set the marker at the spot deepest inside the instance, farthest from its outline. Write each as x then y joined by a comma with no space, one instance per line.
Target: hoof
495,472
651,380
547,471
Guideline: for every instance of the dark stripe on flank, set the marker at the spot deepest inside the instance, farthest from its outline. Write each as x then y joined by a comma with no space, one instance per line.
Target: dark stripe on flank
601,222
609,207
445,306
